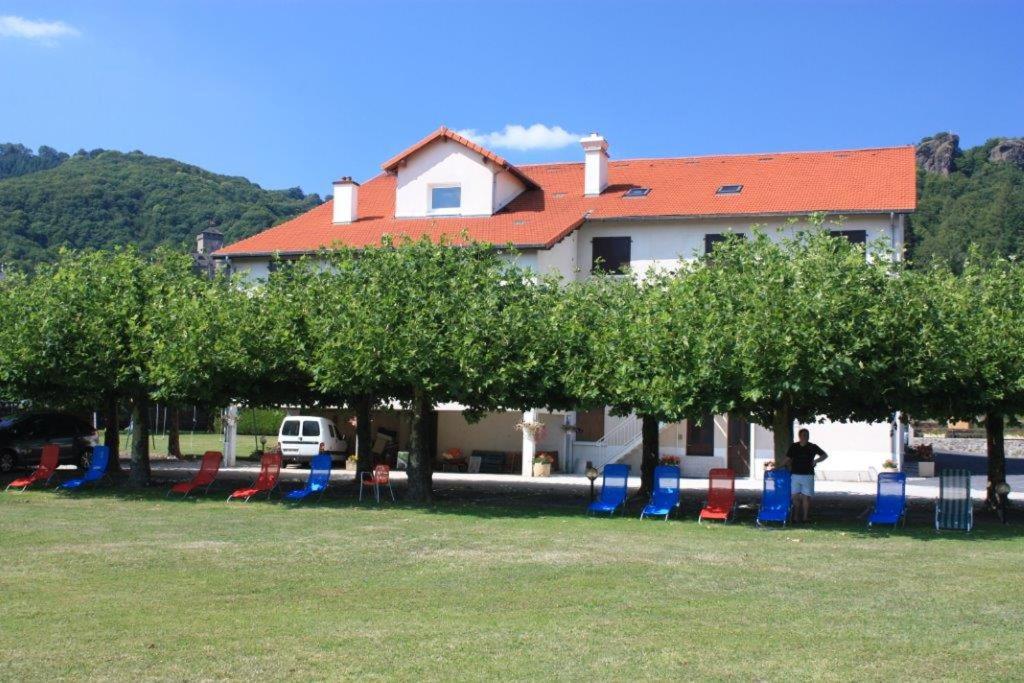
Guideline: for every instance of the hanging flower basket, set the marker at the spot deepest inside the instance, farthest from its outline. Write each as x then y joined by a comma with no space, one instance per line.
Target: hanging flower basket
534,430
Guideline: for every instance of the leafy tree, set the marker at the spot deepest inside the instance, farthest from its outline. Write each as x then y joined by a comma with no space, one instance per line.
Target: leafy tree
964,350
802,318
425,323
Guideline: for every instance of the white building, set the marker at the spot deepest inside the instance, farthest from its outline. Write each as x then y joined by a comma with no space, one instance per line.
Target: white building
565,217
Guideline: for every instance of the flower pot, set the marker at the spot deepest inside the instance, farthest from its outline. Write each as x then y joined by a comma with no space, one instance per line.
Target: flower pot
542,470
926,469
351,465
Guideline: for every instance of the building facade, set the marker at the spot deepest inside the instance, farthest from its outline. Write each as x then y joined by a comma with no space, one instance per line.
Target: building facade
570,218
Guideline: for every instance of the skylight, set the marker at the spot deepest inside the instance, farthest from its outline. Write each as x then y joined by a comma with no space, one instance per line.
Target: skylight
729,189
637,192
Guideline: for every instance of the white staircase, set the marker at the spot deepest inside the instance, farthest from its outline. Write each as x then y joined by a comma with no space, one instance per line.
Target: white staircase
616,444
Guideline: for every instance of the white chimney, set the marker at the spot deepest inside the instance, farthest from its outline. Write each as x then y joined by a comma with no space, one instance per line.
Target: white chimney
595,167
346,200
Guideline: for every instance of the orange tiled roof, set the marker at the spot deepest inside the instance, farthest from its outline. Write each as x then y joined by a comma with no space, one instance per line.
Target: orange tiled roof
792,183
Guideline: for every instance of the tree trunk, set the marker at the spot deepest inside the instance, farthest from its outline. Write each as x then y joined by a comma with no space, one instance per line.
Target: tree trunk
140,442
782,432
364,447
173,432
421,464
111,434
649,454
994,423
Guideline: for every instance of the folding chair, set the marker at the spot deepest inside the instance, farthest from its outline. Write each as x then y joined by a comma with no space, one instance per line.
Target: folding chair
954,508
614,486
97,468
204,477
891,499
721,502
48,462
665,497
775,500
266,482
319,477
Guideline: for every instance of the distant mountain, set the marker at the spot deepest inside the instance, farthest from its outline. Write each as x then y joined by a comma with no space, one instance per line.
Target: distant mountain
102,198
968,196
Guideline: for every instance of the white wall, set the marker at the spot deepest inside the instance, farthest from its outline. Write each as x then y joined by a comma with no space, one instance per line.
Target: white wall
854,448
660,244
561,258
506,188
444,162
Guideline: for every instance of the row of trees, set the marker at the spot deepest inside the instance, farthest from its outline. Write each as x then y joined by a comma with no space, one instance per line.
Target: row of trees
774,329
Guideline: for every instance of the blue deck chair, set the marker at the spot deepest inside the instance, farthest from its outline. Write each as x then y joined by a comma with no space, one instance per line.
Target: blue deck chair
891,501
614,485
954,509
776,498
97,468
319,477
665,497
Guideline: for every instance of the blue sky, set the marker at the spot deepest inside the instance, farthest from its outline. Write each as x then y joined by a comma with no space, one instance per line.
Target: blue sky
300,93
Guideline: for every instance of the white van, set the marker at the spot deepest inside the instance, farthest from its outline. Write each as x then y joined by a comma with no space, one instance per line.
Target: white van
303,436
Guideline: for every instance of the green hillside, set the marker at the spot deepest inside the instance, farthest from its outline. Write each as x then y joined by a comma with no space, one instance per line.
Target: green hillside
972,196
101,198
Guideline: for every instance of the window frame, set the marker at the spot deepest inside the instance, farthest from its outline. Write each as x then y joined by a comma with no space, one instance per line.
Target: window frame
431,209
851,236
608,239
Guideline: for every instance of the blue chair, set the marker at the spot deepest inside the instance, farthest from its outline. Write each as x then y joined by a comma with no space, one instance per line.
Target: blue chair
97,468
891,501
614,486
776,498
665,497
319,477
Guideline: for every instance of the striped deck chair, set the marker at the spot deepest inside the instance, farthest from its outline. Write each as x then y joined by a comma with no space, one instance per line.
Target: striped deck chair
954,508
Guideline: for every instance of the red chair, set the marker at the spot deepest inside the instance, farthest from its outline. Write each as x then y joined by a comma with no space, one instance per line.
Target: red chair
721,503
270,470
204,477
43,472
381,476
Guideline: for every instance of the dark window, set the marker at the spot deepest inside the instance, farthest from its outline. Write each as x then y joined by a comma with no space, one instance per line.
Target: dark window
637,192
290,428
729,189
854,236
310,428
711,239
611,254
700,438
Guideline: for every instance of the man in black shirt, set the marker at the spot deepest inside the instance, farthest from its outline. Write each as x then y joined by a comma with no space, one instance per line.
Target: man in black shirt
801,458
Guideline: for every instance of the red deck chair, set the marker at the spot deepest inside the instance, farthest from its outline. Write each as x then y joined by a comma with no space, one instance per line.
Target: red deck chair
381,476
204,477
270,469
43,472
721,503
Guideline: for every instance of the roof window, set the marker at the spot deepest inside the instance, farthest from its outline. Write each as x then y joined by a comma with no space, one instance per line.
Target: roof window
637,192
729,189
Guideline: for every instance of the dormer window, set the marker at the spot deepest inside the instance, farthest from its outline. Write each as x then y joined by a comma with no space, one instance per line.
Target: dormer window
445,198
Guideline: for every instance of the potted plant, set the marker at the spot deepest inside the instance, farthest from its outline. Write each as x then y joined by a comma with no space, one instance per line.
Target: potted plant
889,466
352,463
542,465
924,454
672,460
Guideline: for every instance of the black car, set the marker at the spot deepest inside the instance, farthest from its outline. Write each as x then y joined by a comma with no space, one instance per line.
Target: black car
22,438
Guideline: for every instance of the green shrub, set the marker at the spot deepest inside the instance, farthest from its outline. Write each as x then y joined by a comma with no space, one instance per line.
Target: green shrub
255,421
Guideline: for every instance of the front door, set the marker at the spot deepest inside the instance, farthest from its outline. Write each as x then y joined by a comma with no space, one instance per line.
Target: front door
738,446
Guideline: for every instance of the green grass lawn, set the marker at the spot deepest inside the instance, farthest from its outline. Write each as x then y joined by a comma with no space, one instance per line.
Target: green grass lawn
114,586
196,444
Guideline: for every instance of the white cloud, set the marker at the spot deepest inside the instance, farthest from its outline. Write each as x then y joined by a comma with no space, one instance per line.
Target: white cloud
44,31
515,136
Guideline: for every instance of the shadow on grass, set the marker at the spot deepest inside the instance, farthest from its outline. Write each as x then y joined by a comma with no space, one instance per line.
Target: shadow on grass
834,512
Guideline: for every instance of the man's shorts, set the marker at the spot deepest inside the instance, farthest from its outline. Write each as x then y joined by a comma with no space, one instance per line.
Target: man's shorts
802,483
